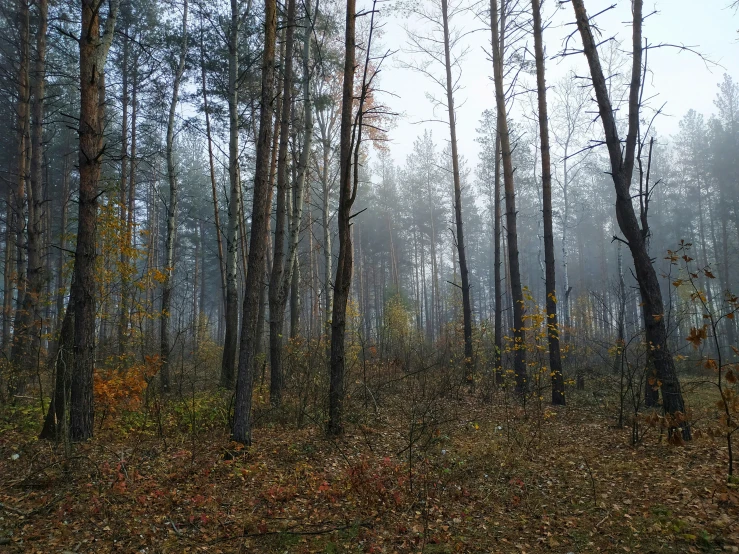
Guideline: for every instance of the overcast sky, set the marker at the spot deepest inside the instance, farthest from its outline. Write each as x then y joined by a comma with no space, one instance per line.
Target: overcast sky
681,79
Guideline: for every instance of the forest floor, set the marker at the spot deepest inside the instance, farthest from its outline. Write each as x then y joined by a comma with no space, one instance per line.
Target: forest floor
484,478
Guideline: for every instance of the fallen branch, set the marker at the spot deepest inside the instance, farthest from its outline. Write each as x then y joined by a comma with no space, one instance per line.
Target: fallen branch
14,510
293,531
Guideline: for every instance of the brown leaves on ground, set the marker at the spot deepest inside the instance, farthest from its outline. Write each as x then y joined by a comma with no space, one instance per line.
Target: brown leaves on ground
566,482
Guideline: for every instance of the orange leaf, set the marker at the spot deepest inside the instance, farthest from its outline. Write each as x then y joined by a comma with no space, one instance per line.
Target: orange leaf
696,336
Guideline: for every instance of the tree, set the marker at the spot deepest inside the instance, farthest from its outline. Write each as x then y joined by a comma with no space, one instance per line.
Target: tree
94,47
29,319
555,360
241,427
519,334
440,46
342,281
622,168
169,262
284,264
230,345
171,211
350,134
277,291
570,104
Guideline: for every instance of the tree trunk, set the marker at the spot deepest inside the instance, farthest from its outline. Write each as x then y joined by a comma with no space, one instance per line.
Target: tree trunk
55,423
29,325
555,361
277,292
126,262
211,167
519,354
301,182
622,167
60,281
325,222
8,284
165,347
498,354
122,319
93,54
19,352
464,273
241,430
342,281
230,346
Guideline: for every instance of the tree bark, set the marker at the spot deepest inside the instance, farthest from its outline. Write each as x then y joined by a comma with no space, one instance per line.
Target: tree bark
94,48
519,335
498,339
230,346
26,349
211,167
342,281
464,273
555,360
55,423
241,430
126,262
165,346
277,292
18,353
122,319
622,167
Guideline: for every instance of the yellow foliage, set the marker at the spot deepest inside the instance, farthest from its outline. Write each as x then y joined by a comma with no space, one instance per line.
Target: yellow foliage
122,390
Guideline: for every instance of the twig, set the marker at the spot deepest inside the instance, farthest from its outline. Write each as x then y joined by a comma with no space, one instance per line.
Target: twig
290,531
14,510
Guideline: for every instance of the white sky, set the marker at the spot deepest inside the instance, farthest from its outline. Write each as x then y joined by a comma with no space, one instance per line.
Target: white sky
681,79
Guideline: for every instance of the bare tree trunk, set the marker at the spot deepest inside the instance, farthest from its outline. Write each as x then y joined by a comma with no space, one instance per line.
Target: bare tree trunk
60,282
325,222
55,423
9,269
122,319
498,339
555,360
513,265
622,167
295,300
36,217
301,181
211,167
126,262
241,430
565,249
29,320
464,273
165,347
93,54
18,352
342,281
277,292
230,346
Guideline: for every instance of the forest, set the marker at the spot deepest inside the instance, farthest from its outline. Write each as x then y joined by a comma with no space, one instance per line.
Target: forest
418,276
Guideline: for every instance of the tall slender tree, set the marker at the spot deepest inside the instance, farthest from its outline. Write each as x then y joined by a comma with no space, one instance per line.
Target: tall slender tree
622,158
94,47
519,333
555,359
165,341
241,428
342,281
230,345
277,294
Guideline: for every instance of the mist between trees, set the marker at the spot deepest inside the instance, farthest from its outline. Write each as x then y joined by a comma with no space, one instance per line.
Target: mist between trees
204,198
